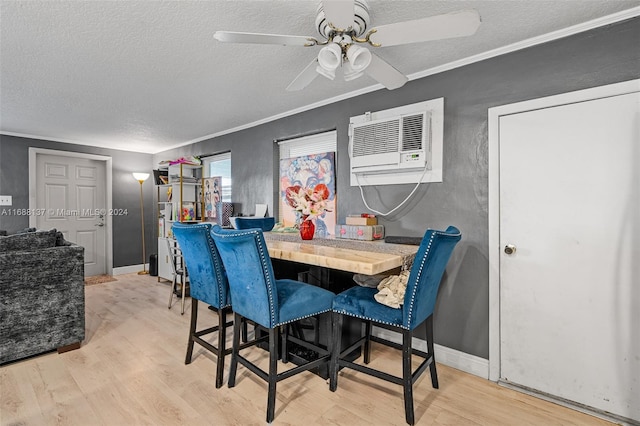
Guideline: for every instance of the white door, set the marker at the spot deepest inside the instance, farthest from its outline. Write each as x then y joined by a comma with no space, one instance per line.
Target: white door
570,293
71,193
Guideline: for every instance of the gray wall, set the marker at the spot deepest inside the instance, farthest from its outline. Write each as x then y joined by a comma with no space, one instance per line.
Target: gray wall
127,247
602,56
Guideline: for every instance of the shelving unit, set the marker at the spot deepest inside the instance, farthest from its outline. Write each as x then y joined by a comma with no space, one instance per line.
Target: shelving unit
179,200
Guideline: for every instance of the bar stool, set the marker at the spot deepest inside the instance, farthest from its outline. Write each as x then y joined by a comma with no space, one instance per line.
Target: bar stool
208,283
179,272
419,301
269,302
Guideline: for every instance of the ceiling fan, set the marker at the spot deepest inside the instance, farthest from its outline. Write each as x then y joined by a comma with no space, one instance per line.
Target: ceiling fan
343,25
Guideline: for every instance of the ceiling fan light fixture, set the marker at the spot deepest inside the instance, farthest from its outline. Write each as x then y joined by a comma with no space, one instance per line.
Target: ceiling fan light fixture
359,57
330,74
330,57
350,73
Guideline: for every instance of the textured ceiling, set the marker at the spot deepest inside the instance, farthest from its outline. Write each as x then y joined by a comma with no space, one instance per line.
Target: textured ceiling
148,75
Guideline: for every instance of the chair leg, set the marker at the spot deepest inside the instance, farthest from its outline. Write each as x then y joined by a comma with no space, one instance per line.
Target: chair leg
192,330
233,367
173,288
222,332
184,288
432,367
245,332
273,373
367,342
336,337
407,382
316,331
285,340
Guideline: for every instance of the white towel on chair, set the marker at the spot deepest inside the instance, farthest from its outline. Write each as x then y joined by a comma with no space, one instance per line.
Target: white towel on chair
391,290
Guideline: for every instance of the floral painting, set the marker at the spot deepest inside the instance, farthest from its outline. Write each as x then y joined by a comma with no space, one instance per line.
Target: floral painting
304,174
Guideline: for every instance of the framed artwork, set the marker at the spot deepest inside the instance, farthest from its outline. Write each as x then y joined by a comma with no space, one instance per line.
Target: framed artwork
308,171
213,199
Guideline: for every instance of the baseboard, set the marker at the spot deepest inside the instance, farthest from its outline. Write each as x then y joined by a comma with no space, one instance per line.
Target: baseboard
128,269
613,418
450,357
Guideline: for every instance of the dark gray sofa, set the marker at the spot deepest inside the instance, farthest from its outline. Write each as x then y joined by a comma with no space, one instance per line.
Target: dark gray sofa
41,294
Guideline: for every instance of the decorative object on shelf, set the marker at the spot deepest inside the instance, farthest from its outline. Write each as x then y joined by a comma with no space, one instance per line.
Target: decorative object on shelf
213,199
188,212
227,212
141,177
309,203
307,229
308,171
191,160
181,199
160,176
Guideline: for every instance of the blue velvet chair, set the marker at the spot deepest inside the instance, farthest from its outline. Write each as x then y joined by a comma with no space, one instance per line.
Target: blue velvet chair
208,283
419,301
269,302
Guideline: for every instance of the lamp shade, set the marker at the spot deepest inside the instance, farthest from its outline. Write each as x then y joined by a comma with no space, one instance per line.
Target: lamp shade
350,73
141,177
359,57
330,56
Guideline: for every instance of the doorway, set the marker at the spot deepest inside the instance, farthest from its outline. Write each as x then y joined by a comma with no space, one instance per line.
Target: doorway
73,190
564,242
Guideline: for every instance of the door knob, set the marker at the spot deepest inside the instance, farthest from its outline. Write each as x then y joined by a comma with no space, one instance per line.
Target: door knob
509,249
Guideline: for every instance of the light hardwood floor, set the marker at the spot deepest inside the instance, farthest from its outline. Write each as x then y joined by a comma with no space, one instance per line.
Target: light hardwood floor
130,371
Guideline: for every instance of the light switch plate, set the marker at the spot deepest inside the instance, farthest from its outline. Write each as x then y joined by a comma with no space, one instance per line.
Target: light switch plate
5,200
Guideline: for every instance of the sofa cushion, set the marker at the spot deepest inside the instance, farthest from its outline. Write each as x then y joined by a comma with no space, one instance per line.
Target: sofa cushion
28,241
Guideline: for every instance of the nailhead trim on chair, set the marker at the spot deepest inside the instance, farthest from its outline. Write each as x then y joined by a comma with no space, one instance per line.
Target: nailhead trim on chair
371,319
422,262
415,287
263,261
413,293
303,317
218,266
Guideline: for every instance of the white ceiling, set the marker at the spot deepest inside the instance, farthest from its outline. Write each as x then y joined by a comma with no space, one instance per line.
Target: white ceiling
148,75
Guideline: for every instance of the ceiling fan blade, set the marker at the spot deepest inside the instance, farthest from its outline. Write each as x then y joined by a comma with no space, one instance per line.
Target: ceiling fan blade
304,78
284,40
339,13
385,74
456,24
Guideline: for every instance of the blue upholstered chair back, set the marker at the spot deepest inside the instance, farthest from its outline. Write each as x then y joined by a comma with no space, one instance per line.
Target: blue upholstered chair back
250,274
207,278
426,273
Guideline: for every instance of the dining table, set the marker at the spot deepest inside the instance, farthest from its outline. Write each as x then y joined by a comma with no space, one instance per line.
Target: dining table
334,264
355,256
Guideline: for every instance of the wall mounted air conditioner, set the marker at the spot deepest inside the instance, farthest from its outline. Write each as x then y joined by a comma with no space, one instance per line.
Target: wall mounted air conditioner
399,145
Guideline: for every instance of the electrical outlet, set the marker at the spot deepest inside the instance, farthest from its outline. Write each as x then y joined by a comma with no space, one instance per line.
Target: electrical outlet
5,200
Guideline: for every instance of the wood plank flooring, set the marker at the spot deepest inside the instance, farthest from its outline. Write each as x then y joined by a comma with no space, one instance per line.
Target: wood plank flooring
130,371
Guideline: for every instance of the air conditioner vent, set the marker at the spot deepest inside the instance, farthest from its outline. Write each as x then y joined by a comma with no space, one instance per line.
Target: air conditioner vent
376,138
397,145
412,132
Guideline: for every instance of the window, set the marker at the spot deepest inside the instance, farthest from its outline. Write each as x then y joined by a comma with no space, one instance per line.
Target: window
307,145
220,165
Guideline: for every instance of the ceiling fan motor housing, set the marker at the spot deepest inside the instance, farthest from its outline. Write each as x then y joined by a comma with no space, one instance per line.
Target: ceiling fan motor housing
361,21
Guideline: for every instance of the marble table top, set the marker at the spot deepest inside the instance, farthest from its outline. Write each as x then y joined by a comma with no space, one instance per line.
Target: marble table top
359,257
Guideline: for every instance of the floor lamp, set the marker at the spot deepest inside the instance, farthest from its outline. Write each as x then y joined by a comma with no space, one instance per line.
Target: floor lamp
141,177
